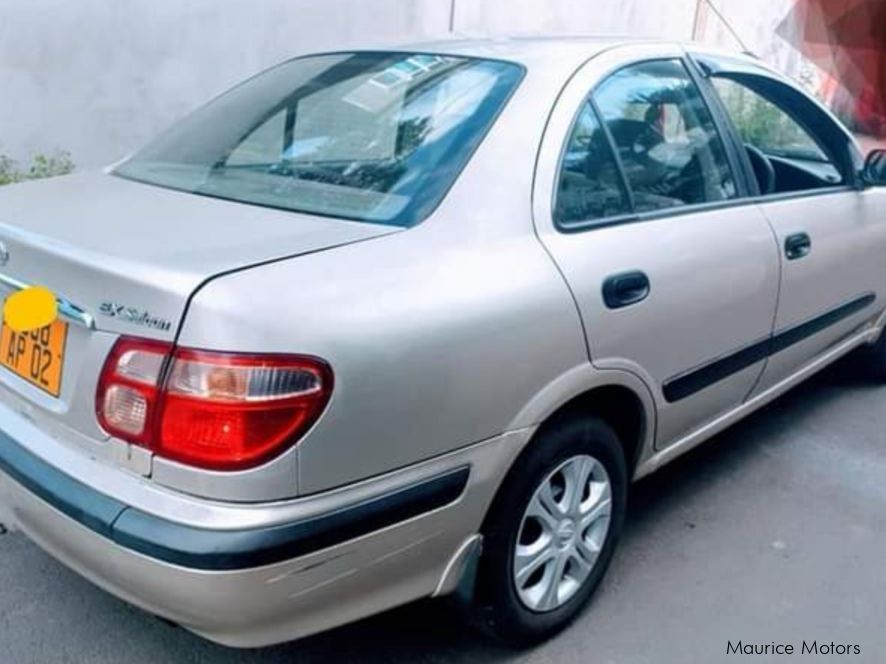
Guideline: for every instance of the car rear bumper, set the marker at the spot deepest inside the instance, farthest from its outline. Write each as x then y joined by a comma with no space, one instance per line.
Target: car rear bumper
221,550
324,561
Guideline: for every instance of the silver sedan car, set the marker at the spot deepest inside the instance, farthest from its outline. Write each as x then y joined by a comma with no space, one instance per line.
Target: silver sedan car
379,326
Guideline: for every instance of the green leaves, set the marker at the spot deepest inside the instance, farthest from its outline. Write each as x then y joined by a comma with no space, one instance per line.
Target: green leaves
42,166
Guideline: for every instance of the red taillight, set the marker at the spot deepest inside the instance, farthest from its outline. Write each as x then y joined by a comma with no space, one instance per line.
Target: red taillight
223,411
230,411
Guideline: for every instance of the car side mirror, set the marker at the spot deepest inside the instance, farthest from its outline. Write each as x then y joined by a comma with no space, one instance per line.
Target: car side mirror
874,173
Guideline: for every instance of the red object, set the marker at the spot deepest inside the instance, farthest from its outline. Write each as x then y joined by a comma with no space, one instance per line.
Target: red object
220,411
846,39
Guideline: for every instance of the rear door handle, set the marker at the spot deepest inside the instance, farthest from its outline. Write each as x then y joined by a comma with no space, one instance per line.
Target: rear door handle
626,289
797,246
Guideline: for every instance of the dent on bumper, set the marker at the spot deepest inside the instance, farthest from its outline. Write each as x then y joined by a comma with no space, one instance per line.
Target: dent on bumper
204,549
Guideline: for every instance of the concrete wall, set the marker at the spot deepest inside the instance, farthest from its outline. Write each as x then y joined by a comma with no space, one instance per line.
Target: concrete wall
670,19
99,77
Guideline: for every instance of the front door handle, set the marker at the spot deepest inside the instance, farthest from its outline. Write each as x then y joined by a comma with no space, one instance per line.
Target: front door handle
797,246
624,290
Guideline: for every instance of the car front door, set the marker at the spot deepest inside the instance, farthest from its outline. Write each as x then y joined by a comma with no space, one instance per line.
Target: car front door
831,235
640,203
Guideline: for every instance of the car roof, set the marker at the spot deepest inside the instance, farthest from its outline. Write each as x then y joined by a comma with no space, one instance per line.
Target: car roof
566,51
526,50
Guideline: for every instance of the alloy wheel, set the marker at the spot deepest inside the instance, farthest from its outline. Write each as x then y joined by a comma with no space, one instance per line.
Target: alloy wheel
562,533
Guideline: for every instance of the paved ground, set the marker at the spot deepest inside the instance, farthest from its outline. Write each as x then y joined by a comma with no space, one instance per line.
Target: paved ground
775,531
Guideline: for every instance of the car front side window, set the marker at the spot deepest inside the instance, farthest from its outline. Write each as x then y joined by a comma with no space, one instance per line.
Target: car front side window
669,146
786,157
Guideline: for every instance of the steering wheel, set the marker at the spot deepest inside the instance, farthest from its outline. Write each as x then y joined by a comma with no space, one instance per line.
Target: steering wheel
763,169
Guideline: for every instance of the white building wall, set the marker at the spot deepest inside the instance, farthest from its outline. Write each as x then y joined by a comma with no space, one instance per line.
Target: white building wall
98,78
757,24
672,19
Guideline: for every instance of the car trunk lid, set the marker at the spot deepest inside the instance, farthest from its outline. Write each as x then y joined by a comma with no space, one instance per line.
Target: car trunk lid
98,239
125,258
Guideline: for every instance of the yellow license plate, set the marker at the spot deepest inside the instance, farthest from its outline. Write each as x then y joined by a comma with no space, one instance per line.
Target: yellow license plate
36,356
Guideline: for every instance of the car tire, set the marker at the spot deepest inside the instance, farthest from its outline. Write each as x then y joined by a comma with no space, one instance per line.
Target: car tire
521,611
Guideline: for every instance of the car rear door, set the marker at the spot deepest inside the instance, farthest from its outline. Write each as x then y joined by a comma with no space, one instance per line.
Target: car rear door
831,234
674,272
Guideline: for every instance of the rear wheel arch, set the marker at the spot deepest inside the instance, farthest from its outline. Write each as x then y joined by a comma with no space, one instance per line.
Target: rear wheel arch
620,407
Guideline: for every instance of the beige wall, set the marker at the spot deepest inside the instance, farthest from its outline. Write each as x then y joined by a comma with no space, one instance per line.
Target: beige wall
100,77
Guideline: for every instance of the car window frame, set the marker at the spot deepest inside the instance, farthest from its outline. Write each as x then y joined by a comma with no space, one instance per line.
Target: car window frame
737,168
846,161
431,210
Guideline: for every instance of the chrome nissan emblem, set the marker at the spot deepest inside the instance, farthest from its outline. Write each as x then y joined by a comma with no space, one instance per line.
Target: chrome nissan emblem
4,254
566,533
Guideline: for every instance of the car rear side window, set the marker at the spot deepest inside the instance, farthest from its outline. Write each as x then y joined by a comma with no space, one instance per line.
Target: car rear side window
371,136
668,144
590,185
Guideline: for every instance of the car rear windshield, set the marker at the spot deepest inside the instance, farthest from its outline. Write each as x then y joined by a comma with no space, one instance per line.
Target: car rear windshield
375,137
